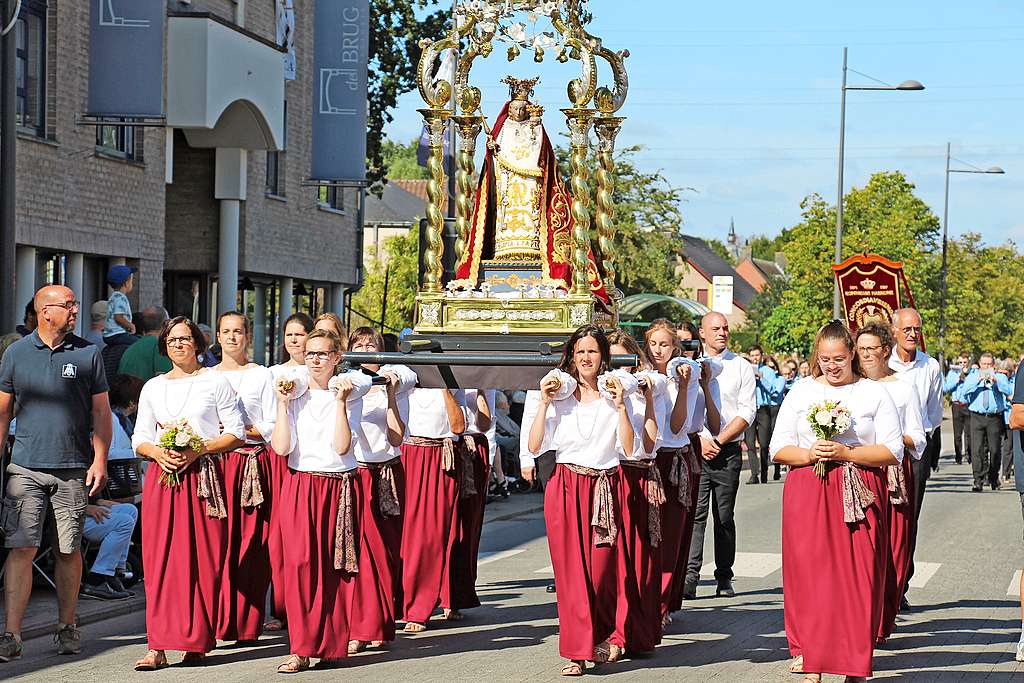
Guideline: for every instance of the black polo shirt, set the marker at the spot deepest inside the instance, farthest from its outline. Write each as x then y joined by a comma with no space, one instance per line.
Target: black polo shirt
53,390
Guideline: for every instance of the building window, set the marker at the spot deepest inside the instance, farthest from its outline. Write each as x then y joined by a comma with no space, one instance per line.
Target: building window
702,296
30,67
119,141
276,164
332,198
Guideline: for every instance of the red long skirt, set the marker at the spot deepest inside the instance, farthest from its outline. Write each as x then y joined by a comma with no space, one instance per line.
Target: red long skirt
183,552
277,473
465,554
584,572
833,573
674,518
638,605
430,528
901,526
380,564
243,588
318,597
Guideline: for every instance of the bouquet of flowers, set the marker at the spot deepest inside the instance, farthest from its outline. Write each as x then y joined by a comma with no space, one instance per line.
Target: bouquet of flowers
178,436
828,419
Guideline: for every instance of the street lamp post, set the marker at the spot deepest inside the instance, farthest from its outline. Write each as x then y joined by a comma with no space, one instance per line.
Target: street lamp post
945,242
905,85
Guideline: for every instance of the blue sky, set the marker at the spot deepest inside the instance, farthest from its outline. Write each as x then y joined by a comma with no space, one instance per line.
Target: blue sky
740,101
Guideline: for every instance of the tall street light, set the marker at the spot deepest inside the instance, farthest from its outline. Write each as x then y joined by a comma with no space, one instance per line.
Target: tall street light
945,231
905,85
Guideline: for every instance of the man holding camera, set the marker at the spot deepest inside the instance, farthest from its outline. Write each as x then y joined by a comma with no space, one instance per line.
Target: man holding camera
954,386
986,393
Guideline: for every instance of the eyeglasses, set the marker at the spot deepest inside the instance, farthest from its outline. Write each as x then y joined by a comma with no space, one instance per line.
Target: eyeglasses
69,305
869,349
180,341
318,355
908,330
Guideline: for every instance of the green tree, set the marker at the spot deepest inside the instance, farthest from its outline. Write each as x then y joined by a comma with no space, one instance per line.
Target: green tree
401,161
764,247
719,247
884,217
395,32
400,271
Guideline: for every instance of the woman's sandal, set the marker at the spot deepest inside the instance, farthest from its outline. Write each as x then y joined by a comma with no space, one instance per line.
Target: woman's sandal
273,625
812,678
601,653
797,665
453,615
293,665
153,661
855,679
614,652
573,668
356,646
666,620
193,659
414,627
376,643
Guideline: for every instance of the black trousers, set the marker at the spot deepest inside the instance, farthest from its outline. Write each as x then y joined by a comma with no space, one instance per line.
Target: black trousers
921,470
961,432
1009,436
986,447
719,481
761,431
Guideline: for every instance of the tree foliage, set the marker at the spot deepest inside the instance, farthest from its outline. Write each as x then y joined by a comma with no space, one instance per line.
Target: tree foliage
402,260
401,161
720,248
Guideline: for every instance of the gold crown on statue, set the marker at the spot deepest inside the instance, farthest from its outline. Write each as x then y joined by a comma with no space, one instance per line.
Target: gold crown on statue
535,111
520,88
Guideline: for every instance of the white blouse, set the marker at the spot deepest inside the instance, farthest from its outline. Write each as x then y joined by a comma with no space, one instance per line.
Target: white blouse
254,387
585,434
428,417
469,407
904,395
875,419
372,443
670,439
311,417
206,400
637,405
282,369
530,408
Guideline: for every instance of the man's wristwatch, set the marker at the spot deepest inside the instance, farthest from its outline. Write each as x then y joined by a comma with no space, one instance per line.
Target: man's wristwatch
717,442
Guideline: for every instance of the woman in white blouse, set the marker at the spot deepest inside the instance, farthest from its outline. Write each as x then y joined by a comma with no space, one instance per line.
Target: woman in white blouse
874,346
247,565
834,528
296,328
314,431
587,432
184,536
430,523
382,488
641,495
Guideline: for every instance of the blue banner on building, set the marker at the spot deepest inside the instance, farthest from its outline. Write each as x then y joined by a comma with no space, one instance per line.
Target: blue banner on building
126,58
341,51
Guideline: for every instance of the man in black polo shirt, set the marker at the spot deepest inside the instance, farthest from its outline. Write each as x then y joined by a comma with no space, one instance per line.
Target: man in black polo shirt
54,382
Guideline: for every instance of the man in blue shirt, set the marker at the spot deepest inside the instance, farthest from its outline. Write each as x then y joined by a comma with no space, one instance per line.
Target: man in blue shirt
769,388
986,393
954,387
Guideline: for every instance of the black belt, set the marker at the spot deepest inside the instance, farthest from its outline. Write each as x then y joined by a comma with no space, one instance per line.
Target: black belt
974,412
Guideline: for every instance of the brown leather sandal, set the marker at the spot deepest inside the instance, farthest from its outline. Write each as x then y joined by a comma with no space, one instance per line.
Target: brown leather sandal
453,615
356,646
414,627
601,653
153,661
573,668
293,665
614,652
193,658
797,665
273,625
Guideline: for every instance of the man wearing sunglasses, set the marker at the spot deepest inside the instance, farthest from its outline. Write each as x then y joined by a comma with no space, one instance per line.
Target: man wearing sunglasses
54,381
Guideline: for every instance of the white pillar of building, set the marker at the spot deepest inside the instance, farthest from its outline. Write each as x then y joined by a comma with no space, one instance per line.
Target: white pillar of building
24,277
259,325
229,188
76,282
338,300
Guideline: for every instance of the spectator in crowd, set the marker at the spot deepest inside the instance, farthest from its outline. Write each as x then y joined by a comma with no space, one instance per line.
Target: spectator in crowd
143,358
507,436
53,464
791,372
769,389
803,370
30,321
211,356
954,388
97,321
7,340
111,525
986,392
119,328
390,342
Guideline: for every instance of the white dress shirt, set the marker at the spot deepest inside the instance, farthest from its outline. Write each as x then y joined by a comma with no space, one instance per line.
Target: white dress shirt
736,391
206,400
905,397
256,399
428,416
925,375
530,408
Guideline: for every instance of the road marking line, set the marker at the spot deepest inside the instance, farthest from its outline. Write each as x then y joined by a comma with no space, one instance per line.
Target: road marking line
923,572
1014,588
546,570
494,556
749,565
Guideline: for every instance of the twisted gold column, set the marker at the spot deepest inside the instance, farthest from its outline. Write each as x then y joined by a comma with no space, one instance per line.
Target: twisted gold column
606,128
434,119
469,129
579,122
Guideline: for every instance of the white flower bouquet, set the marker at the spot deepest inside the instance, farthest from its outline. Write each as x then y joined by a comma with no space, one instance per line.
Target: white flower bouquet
828,420
178,436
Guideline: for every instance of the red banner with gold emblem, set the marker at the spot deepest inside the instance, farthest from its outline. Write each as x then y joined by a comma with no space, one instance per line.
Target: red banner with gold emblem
871,288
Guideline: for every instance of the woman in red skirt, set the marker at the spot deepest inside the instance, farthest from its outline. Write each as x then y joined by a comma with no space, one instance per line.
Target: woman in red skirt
641,495
835,527
430,523
296,328
381,479
319,503
587,432
184,536
874,346
246,578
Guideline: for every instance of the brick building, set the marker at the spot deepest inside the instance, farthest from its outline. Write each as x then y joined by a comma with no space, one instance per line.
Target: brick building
216,195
